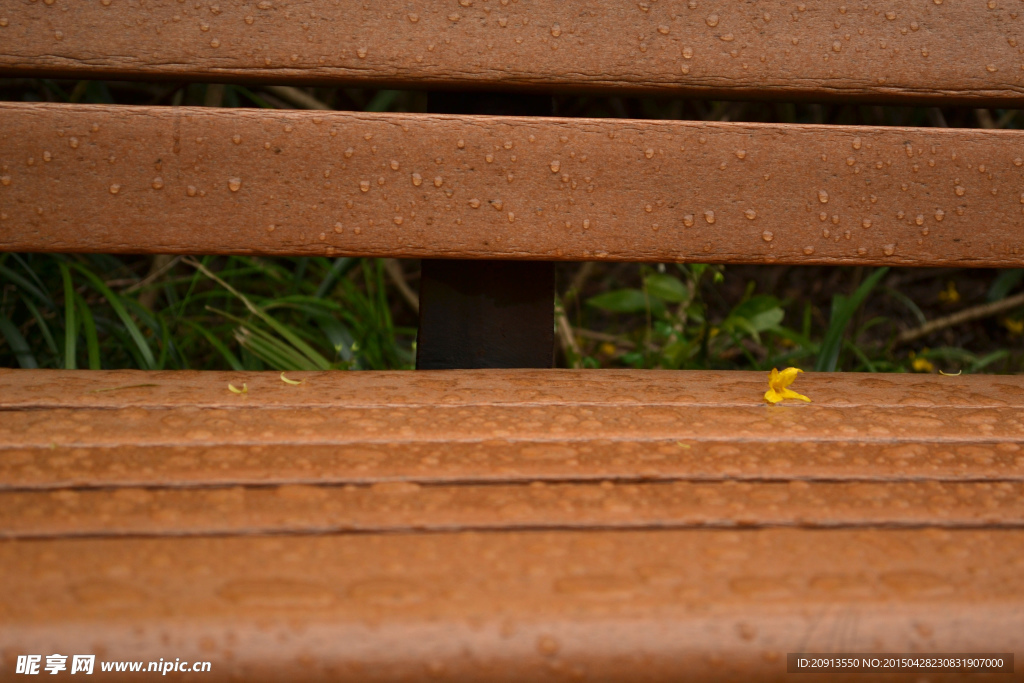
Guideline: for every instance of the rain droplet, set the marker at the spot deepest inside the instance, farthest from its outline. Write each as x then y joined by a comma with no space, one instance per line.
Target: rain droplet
555,166
364,185
417,179
750,214
712,20
438,181
959,189
808,250
398,220
158,183
73,143
339,228
5,180
741,154
475,203
767,235
413,17
866,222
115,188
460,144
709,216
856,142
889,249
214,43
649,153
234,184
823,196
688,220
237,139
940,214
190,191
556,30
361,52
511,217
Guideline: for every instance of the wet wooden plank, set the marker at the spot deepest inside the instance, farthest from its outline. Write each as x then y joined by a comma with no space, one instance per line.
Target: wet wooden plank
947,53
33,389
405,507
498,461
517,605
335,426
104,179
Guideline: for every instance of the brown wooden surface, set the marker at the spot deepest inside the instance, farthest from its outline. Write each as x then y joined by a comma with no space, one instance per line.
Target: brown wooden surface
949,52
130,179
507,525
714,605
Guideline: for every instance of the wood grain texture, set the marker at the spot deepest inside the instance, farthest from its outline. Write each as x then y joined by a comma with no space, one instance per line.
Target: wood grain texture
514,606
507,525
181,180
924,52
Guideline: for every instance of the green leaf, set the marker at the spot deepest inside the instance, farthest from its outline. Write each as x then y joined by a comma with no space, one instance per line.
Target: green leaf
843,309
667,288
620,301
1004,284
17,343
70,324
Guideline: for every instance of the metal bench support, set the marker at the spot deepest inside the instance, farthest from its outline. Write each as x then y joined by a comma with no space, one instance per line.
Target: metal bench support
486,314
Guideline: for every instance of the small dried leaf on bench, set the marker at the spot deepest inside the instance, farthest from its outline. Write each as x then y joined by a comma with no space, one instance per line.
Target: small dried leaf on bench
778,386
236,390
293,382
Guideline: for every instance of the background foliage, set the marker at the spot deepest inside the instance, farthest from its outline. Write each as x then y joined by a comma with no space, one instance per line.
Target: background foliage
103,311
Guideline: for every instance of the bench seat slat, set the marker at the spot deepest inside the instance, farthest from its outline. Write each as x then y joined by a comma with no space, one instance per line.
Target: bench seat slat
496,461
549,522
948,53
405,506
515,606
195,180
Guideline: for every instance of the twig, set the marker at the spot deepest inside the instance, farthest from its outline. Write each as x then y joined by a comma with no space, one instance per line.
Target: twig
394,271
569,346
161,264
966,315
299,98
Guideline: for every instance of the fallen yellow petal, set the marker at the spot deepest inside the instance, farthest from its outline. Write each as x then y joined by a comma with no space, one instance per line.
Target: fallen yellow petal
236,390
950,374
778,383
293,382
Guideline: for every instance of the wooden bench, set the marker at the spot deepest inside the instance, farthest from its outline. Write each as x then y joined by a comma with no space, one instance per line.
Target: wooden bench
511,524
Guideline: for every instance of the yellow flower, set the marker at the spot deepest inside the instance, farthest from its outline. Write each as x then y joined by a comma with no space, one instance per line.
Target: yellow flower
922,365
1014,327
950,295
608,349
778,385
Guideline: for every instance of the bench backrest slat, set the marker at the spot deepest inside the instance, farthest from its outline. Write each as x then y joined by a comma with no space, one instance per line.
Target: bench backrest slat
89,178
942,52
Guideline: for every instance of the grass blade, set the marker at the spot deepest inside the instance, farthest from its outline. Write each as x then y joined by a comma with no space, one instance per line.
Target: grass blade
318,361
145,353
217,344
70,323
17,343
843,309
92,340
